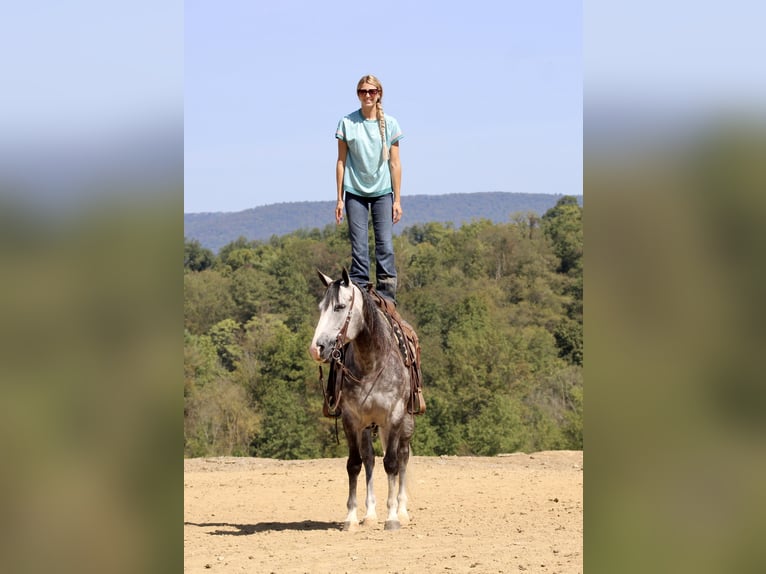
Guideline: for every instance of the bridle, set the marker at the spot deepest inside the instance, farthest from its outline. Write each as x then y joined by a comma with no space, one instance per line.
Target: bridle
337,356
340,339
336,365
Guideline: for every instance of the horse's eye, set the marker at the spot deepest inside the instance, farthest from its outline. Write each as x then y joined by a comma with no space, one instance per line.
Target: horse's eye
339,307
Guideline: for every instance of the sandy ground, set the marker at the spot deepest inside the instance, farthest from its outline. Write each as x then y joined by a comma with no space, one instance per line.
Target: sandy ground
513,513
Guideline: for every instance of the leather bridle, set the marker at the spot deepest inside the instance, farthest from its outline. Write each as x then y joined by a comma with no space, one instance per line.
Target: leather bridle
340,340
336,360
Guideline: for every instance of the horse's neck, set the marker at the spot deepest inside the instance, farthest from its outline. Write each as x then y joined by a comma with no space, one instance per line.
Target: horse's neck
370,349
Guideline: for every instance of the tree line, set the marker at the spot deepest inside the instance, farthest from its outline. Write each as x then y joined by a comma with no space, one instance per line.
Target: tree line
497,308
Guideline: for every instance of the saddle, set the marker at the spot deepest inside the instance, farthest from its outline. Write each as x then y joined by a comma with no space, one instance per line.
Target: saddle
409,348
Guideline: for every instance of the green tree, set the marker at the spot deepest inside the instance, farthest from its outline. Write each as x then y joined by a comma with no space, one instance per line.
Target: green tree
225,337
218,417
288,430
207,300
225,253
196,257
569,340
251,290
563,224
201,362
498,428
219,420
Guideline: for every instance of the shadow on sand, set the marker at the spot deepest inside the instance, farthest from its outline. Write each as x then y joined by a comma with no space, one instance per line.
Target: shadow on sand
247,529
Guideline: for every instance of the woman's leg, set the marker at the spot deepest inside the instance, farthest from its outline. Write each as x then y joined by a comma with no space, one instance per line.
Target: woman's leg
385,264
358,217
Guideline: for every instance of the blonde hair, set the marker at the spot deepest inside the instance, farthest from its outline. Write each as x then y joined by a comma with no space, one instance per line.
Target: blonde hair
370,79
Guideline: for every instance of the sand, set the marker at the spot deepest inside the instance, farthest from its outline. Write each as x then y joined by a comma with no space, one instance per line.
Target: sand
510,513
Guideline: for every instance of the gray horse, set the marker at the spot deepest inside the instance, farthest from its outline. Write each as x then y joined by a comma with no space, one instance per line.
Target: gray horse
376,386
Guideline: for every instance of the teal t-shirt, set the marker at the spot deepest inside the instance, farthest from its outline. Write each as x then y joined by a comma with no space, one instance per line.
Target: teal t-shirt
366,173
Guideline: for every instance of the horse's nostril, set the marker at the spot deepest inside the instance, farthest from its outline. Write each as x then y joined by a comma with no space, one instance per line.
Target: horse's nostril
316,352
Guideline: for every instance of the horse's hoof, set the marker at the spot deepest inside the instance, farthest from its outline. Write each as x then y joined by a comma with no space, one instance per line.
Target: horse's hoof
392,525
350,526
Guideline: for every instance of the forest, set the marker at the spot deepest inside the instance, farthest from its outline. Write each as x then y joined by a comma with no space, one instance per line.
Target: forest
497,307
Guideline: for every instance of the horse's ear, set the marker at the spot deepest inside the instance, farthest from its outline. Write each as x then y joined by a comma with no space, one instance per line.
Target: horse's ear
324,278
346,278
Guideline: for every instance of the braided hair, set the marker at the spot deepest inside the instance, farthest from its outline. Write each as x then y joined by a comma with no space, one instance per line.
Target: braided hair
370,79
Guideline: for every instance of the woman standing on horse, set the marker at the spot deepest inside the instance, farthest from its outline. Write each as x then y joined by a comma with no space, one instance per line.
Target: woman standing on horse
369,173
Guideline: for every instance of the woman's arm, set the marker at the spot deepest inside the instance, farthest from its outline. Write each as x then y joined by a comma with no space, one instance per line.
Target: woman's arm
340,169
396,181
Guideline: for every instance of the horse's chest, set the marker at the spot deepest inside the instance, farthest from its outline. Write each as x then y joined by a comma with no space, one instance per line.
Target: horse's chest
376,404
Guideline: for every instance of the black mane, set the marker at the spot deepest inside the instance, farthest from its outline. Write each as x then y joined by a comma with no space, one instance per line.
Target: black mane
371,316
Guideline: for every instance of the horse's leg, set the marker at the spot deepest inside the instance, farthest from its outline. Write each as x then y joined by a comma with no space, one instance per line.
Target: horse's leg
368,457
404,457
353,467
391,464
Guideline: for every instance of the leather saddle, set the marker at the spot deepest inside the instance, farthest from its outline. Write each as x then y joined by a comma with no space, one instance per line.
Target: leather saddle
409,347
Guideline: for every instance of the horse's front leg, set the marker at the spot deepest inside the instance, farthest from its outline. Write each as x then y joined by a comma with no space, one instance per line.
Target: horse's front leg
404,457
392,466
368,457
353,467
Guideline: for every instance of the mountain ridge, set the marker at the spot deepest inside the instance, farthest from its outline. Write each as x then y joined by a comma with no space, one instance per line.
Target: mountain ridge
215,229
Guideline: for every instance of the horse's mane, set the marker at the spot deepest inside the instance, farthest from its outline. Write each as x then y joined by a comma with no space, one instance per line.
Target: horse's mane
372,317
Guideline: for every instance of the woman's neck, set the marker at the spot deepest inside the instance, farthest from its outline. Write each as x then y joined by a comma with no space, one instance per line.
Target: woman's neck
371,112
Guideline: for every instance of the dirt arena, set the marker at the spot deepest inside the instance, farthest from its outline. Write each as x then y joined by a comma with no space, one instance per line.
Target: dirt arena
514,513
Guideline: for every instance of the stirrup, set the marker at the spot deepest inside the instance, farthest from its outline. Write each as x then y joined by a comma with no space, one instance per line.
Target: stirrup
334,414
418,402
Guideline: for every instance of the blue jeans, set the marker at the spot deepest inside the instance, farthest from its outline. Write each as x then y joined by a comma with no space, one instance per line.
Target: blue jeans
357,212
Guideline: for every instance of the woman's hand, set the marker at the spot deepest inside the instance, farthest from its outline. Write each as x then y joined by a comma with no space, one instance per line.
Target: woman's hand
397,211
339,212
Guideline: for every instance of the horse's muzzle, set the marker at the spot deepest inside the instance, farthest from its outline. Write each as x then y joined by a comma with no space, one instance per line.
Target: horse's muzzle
316,352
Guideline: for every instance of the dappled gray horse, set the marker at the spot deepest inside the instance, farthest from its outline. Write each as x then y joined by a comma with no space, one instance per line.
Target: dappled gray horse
376,387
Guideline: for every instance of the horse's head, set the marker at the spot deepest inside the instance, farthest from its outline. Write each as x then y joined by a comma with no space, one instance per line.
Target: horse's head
340,314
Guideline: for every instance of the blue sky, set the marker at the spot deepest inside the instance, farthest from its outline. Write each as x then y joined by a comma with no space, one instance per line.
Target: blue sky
85,69
488,94
704,54
91,101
